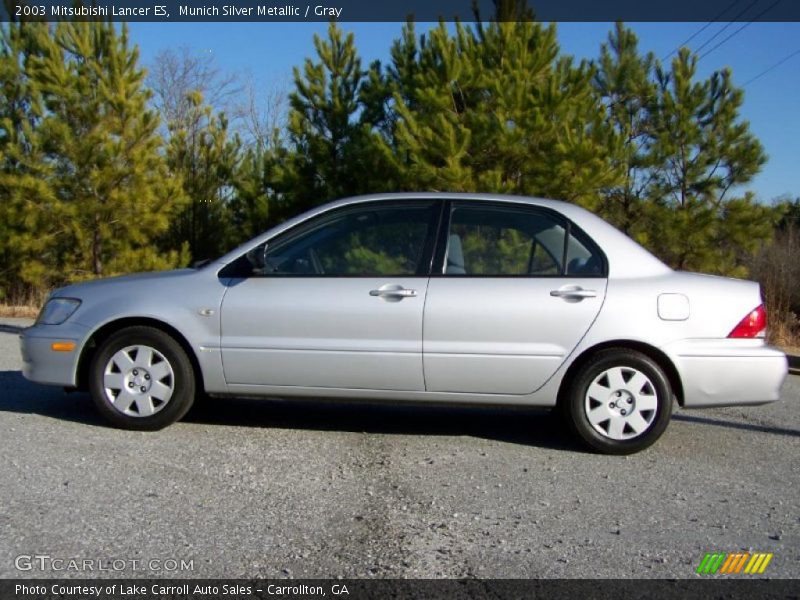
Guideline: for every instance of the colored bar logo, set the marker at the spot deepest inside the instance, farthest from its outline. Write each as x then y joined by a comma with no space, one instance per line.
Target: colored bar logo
734,563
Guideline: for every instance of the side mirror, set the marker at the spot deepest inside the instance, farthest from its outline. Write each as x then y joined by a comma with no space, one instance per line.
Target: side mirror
258,257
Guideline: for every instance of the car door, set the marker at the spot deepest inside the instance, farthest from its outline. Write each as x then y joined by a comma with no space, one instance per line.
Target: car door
336,302
517,288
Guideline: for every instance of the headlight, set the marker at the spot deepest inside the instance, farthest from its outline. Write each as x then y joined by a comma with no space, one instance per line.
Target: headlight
57,310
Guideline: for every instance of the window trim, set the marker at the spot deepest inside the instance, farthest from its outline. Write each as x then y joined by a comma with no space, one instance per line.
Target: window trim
570,228
436,207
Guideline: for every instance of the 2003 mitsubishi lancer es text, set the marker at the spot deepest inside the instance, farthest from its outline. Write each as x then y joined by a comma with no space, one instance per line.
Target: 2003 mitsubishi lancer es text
420,297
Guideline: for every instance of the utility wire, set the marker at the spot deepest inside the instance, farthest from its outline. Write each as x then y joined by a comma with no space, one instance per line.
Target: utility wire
702,29
728,24
769,8
775,66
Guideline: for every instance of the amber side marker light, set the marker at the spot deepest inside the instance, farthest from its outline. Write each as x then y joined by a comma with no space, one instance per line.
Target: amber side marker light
62,346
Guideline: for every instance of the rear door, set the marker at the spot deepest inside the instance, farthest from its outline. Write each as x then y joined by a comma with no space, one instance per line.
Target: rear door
517,288
336,303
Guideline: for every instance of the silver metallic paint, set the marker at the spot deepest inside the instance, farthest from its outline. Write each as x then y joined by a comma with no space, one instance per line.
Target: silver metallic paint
484,340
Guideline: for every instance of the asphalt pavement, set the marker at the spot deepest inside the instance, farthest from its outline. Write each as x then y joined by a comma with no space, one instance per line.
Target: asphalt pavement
265,488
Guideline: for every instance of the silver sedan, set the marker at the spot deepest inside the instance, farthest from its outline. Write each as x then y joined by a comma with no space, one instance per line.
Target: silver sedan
442,298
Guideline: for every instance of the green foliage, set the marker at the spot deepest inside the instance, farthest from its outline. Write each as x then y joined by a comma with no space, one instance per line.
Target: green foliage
491,108
788,213
88,187
685,152
322,126
205,157
103,192
702,151
249,206
23,169
623,81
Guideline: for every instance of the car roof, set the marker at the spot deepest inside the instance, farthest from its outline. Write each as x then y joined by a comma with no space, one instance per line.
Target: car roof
462,196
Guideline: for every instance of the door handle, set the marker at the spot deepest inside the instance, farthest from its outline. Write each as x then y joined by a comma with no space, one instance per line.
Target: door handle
573,293
393,292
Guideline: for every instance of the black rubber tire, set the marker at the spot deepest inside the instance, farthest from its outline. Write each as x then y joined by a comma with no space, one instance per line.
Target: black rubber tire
573,408
184,384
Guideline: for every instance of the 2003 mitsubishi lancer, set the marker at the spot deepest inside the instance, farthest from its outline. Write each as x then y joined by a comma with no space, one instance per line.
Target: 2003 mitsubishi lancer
443,298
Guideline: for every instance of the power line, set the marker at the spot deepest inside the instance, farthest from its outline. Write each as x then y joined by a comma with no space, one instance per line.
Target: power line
728,24
775,66
703,28
769,8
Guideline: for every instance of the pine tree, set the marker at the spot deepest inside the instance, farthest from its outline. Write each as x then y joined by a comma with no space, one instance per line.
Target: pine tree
205,157
112,193
703,152
249,207
323,129
543,131
496,108
24,193
624,82
380,85
431,137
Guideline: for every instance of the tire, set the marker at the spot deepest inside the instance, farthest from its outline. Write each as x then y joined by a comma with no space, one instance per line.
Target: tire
140,378
620,402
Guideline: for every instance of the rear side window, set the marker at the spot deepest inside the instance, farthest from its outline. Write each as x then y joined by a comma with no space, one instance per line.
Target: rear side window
581,259
500,241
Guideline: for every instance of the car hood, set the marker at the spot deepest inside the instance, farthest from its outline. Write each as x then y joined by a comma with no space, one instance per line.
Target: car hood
79,289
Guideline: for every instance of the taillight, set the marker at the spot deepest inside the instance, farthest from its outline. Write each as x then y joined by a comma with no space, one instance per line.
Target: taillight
753,325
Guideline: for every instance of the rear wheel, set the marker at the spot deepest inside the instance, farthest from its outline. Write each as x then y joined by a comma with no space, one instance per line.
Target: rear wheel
141,378
620,402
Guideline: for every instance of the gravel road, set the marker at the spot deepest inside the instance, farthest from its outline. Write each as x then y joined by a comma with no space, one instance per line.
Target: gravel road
246,488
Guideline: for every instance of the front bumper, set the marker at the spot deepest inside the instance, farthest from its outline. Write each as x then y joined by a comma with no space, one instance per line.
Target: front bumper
41,364
728,372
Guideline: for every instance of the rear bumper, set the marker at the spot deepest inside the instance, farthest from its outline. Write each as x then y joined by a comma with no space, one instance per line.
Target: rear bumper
728,372
43,365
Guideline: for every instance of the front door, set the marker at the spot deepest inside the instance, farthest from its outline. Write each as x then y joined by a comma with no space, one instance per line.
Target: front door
336,302
517,289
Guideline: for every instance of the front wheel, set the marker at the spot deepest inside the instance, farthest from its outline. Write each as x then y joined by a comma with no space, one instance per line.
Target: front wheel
141,378
620,402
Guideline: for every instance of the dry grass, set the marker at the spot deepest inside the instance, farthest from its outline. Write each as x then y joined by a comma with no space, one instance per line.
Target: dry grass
783,329
27,312
777,269
22,304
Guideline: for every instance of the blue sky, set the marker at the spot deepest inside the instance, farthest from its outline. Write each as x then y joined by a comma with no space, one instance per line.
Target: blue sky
268,51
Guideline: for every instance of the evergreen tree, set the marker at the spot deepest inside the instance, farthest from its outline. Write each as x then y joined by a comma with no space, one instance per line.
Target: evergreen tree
380,85
496,108
88,188
103,193
788,212
249,207
23,170
624,82
323,129
205,157
703,152
431,138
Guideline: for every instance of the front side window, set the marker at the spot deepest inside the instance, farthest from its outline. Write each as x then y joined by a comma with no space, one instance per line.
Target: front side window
504,241
376,241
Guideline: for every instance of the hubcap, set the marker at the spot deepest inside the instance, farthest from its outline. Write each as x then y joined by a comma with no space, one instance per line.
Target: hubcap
138,381
621,403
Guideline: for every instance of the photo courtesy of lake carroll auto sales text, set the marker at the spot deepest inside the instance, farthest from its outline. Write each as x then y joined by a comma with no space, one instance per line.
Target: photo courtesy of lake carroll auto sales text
450,299
182,589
